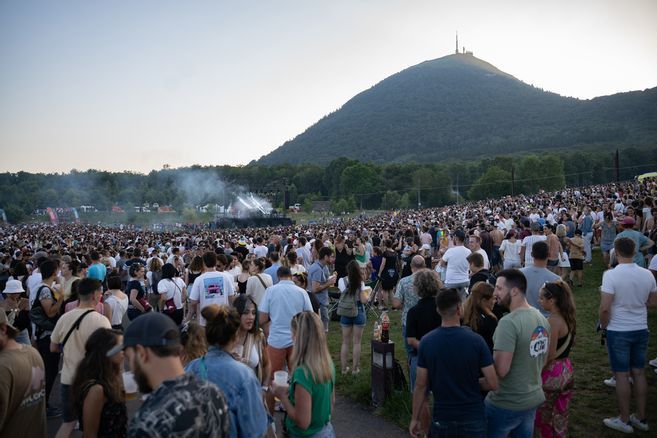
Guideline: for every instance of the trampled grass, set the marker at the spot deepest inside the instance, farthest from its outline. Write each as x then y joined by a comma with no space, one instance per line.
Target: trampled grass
592,400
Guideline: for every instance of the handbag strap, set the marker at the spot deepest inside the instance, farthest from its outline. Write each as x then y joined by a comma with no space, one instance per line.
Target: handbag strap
76,326
261,282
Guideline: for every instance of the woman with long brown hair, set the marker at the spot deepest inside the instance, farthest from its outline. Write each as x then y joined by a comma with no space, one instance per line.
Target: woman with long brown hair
552,417
251,344
352,288
97,390
310,397
243,392
478,311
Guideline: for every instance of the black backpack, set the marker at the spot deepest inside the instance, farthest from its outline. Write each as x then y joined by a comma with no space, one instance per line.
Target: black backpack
38,314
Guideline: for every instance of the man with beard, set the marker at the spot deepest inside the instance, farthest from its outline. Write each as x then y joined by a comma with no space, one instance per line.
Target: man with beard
179,404
520,351
22,386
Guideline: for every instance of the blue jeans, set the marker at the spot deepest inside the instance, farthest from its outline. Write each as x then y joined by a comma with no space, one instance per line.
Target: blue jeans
458,429
412,370
407,347
503,422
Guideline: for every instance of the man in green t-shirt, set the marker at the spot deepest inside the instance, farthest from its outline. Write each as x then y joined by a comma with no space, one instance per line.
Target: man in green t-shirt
520,352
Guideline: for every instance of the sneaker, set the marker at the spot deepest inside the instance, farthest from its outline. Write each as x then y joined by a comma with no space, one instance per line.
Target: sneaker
641,425
53,412
356,371
653,363
611,382
347,370
617,424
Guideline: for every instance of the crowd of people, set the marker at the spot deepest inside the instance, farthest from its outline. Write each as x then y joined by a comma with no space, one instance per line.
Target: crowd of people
222,328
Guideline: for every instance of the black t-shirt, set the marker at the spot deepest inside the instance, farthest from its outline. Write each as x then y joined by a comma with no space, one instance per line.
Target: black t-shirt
341,261
376,241
422,318
454,357
482,275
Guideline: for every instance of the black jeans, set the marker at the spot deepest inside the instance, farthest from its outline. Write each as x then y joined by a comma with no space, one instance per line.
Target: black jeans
51,363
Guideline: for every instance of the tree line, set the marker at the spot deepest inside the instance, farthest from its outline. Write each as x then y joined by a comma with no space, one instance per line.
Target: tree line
347,184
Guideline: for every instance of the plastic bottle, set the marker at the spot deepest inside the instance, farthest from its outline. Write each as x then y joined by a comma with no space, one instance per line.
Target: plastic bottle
385,328
377,331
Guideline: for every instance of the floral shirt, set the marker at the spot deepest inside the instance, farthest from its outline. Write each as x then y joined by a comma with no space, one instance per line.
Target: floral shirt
183,407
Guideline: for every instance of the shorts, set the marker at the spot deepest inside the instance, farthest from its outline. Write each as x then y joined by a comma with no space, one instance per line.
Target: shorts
68,416
553,263
606,247
358,320
627,350
577,264
278,358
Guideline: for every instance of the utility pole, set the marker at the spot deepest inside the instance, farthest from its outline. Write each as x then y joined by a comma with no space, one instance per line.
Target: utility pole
457,189
419,204
617,166
513,180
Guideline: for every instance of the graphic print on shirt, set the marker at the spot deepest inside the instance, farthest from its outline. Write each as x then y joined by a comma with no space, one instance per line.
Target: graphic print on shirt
214,287
539,342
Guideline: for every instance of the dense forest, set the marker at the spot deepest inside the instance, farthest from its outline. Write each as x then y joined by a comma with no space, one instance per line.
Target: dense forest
348,184
460,107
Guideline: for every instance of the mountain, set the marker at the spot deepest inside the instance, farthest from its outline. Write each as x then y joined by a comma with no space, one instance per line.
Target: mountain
460,106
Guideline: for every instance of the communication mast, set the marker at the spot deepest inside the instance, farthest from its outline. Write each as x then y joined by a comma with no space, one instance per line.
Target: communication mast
457,43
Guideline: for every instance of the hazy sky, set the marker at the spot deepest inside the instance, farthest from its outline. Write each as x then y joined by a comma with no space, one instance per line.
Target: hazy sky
135,84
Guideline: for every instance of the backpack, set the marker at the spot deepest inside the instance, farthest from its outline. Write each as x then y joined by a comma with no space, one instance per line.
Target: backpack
38,314
155,279
347,305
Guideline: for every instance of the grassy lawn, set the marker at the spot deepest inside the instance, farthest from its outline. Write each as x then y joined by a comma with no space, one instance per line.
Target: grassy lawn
592,400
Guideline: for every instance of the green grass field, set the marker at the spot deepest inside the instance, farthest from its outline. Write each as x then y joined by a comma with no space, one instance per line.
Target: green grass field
592,400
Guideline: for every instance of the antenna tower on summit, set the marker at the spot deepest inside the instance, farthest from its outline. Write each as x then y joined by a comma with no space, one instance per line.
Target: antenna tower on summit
457,43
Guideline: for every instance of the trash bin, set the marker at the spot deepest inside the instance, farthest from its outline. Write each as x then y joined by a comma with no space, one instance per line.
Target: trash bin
383,371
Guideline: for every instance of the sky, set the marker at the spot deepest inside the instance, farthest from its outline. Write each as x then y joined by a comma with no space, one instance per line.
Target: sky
136,85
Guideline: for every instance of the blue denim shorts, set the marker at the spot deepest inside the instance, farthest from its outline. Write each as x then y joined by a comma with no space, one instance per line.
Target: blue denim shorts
358,320
627,350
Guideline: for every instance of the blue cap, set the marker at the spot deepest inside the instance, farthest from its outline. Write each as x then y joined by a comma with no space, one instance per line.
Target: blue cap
151,329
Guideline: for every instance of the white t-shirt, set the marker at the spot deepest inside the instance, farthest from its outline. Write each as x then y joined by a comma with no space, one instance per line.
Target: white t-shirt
119,307
282,301
212,287
74,348
485,256
172,288
255,288
528,242
631,286
32,283
457,265
653,263
511,250
260,251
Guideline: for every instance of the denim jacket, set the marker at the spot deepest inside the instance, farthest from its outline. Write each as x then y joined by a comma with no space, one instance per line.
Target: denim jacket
240,386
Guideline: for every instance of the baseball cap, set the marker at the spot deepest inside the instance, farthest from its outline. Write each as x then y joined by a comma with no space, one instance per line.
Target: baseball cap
460,234
536,226
152,329
628,220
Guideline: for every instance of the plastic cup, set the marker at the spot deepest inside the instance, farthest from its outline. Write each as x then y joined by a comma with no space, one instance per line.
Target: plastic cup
280,378
129,383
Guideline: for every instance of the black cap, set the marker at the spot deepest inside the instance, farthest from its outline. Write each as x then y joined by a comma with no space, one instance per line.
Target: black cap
152,329
460,234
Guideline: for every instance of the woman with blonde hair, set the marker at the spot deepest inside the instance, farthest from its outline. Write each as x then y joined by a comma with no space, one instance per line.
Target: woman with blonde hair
310,397
478,312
